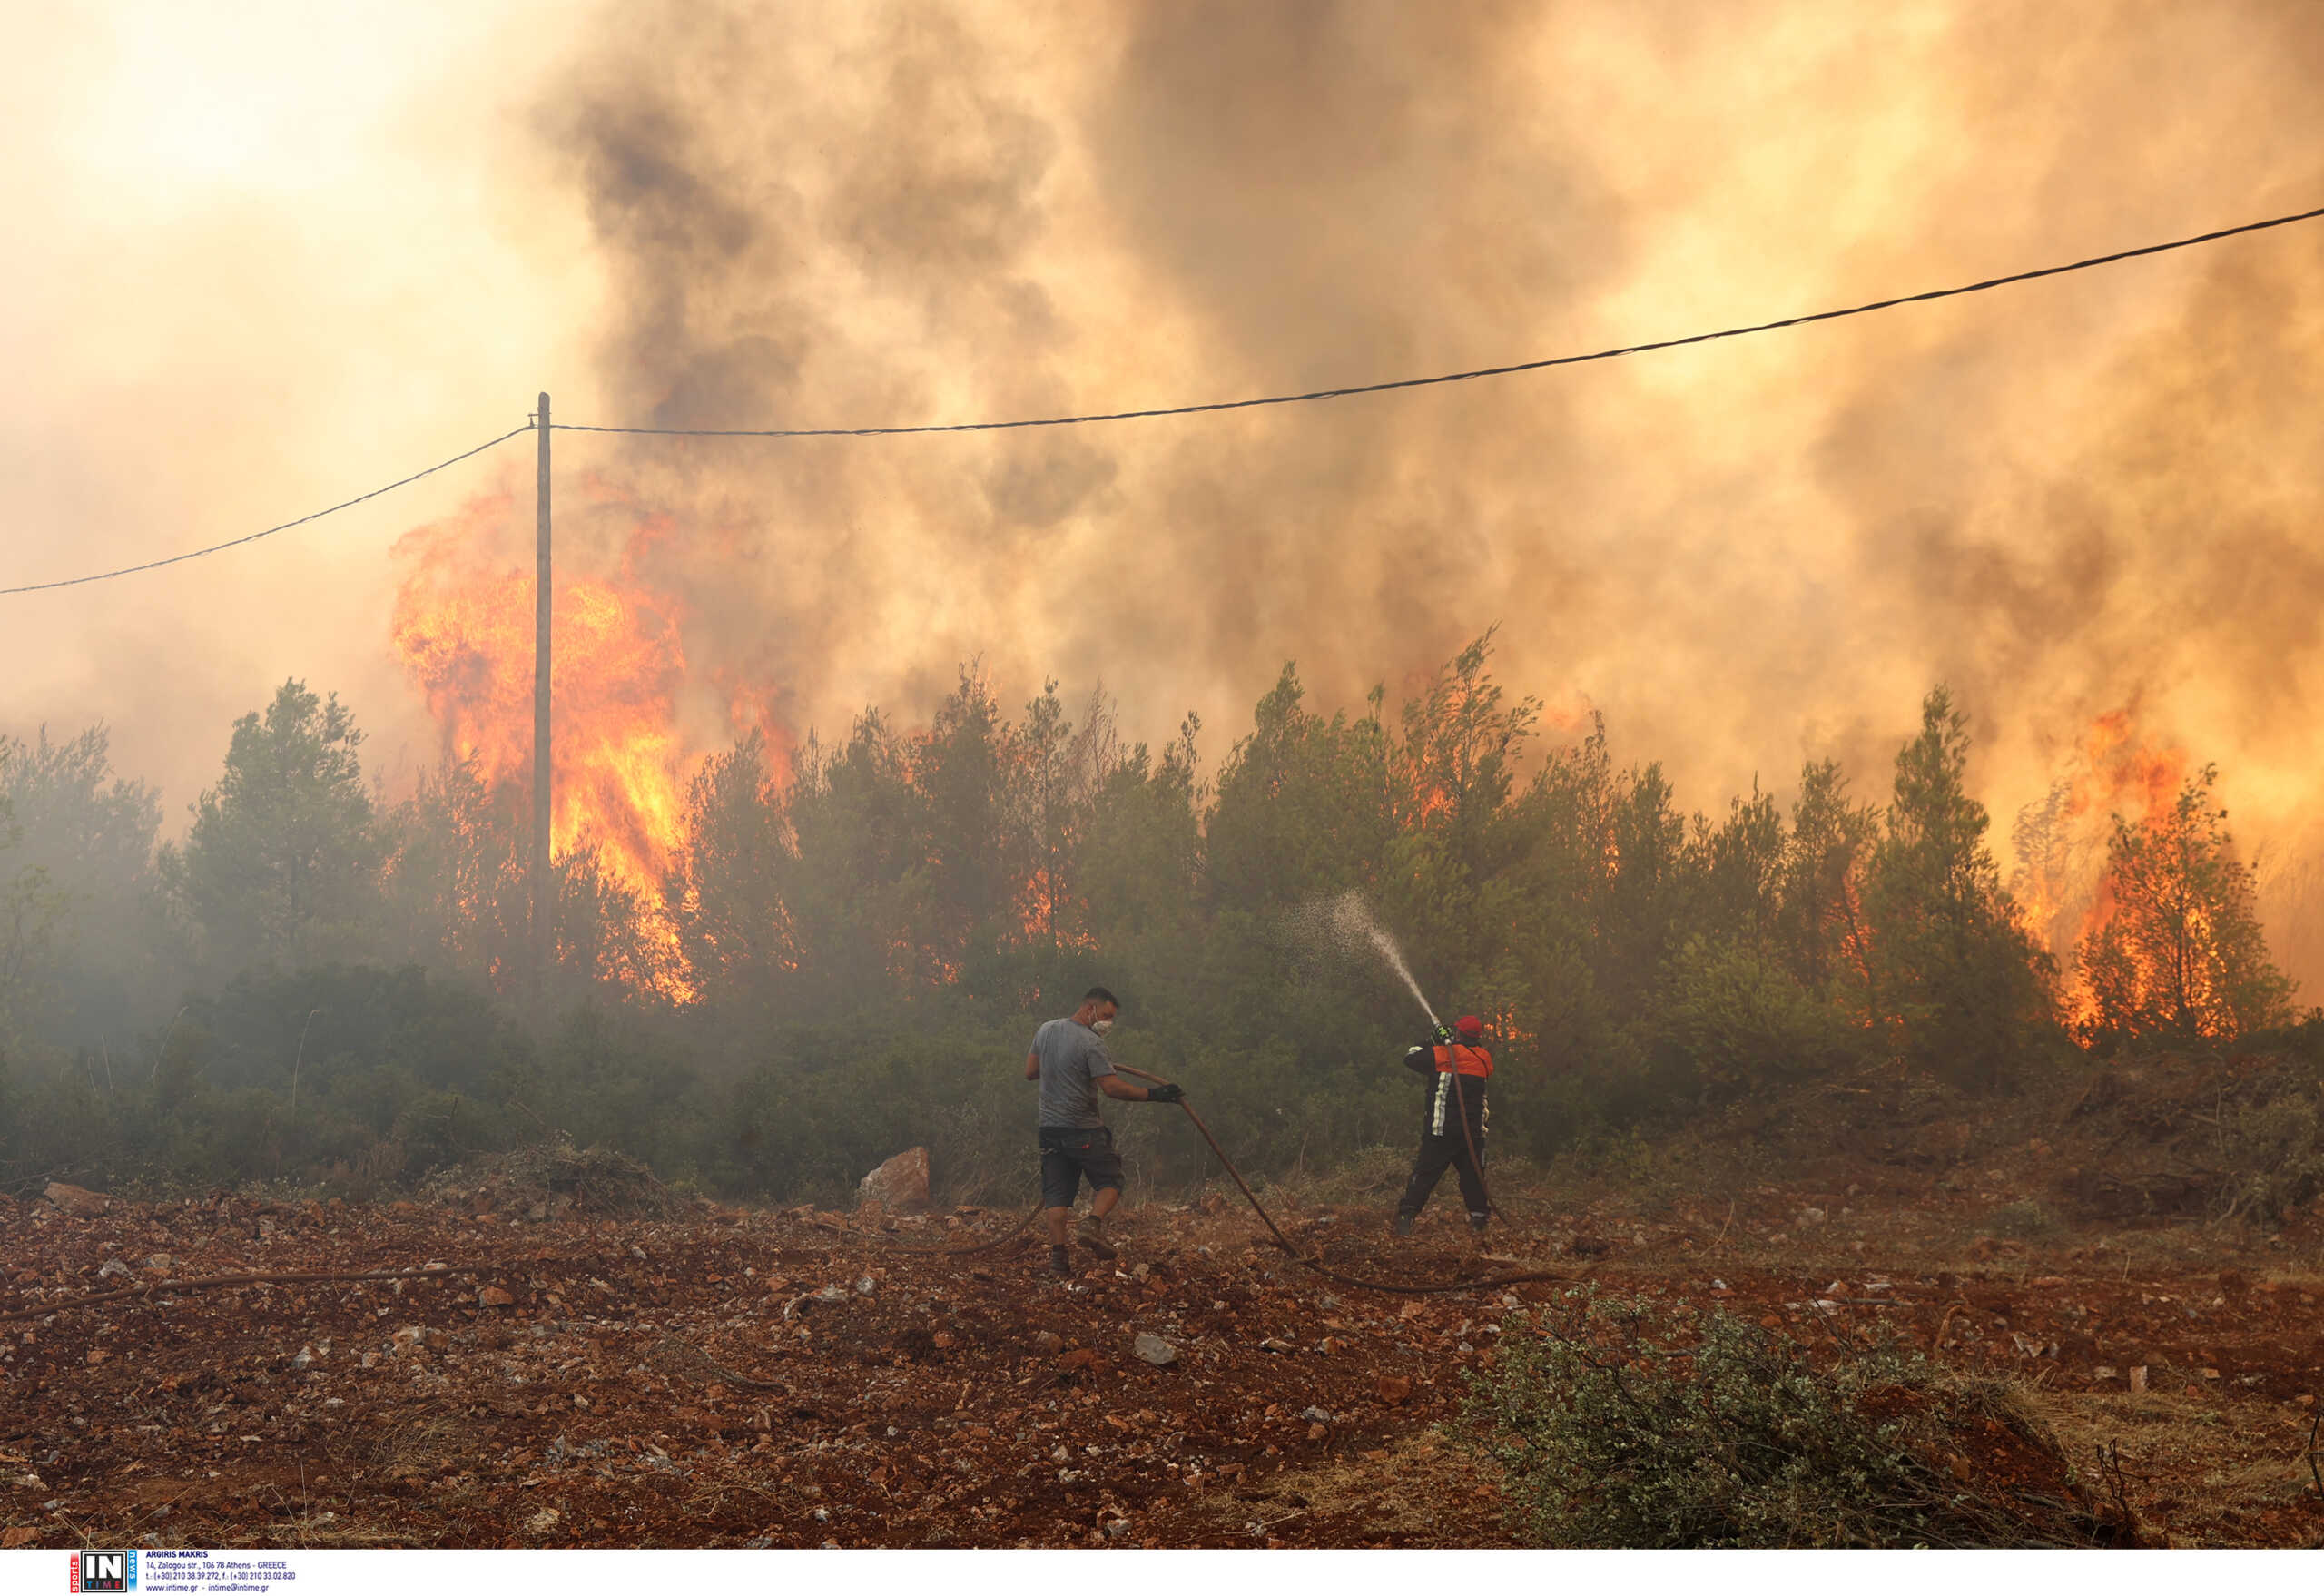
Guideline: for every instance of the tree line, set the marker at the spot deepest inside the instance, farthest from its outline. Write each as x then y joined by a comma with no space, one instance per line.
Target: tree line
850,945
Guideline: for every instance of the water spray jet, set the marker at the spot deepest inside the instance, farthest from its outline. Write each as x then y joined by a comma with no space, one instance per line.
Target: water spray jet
1346,922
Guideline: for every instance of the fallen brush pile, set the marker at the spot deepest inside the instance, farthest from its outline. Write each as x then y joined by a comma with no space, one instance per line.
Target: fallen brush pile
551,1180
723,1377
1627,1423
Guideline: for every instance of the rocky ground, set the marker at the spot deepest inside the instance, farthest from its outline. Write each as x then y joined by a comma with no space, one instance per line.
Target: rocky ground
714,1376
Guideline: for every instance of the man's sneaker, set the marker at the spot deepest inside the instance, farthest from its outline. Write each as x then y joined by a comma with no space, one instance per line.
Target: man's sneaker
1477,1223
1091,1234
1060,1262
1403,1224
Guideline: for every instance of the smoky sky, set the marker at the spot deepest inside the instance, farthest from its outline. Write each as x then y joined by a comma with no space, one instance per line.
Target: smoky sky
2059,498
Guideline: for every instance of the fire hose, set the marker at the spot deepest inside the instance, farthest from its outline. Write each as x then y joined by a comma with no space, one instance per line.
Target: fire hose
220,1282
1267,1219
1013,1232
1313,1266
1461,1101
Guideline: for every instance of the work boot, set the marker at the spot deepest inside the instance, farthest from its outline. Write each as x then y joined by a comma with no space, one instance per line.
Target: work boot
1091,1234
1403,1224
1060,1262
1477,1223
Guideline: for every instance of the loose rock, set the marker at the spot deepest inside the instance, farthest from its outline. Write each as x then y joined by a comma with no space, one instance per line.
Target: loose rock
900,1185
77,1199
1154,1351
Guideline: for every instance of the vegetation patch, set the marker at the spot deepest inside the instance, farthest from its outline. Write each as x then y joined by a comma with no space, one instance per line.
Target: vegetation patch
1619,1423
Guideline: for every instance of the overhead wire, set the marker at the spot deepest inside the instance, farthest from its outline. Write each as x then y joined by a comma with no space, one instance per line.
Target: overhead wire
1469,376
253,536
1195,410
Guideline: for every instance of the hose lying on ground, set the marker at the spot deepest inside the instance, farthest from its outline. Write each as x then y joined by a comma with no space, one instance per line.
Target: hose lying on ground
1315,1267
219,1282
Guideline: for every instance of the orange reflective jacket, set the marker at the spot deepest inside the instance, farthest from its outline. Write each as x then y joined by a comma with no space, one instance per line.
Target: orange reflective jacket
1473,1063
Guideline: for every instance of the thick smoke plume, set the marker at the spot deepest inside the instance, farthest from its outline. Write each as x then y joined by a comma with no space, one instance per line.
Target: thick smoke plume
2068,499
2064,499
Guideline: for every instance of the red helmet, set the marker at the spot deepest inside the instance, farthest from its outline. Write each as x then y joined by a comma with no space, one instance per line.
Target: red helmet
1469,1025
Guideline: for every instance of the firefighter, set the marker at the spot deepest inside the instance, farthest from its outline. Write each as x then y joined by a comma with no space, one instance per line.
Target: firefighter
1450,1051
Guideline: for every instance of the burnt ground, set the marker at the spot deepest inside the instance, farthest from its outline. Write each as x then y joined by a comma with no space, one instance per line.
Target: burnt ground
723,1377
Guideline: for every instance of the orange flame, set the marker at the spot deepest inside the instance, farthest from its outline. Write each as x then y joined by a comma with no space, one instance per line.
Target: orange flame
1047,912
2060,885
463,627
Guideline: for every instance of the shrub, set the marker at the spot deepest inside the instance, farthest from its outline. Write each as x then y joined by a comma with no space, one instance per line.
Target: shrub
1746,1023
2276,1150
1630,1426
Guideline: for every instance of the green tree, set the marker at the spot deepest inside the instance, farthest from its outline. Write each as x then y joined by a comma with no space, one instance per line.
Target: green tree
1451,769
1443,877
104,954
281,866
1056,772
1303,807
30,909
1739,864
609,944
726,895
1821,894
1642,903
968,845
859,828
2180,954
457,898
1558,885
1959,986
1141,859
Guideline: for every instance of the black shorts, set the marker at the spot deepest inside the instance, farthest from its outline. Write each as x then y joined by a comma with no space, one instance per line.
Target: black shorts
1067,1155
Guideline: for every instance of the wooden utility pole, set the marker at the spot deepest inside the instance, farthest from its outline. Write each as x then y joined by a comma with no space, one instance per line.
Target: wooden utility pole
544,895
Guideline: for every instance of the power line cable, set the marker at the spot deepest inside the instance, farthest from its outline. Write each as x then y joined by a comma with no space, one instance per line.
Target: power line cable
1332,393
1244,404
270,531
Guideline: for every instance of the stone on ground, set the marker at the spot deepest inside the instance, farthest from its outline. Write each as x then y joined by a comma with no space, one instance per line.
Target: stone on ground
77,1199
900,1185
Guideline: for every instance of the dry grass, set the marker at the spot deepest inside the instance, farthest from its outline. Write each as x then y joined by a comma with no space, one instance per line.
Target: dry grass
1419,1492
2241,1457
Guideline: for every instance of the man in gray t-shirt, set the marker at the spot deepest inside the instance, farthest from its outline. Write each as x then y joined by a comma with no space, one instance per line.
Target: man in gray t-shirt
1068,1058
1071,1060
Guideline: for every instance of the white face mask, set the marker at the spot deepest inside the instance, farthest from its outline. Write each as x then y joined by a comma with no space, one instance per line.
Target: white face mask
1102,1026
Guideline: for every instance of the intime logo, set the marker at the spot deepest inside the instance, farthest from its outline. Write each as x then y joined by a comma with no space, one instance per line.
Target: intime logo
104,1571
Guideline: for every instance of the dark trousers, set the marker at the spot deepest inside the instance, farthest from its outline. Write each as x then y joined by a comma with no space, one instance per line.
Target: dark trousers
1435,1153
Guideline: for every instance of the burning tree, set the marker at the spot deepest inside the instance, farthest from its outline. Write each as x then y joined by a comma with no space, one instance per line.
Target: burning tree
2179,953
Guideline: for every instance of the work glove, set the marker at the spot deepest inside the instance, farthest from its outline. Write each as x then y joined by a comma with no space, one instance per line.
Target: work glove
1164,1093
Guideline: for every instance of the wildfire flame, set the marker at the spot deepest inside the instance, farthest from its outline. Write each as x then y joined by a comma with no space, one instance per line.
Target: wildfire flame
2060,885
463,629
